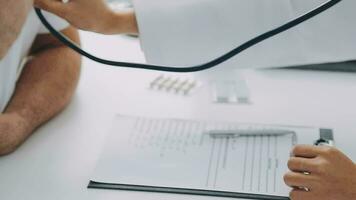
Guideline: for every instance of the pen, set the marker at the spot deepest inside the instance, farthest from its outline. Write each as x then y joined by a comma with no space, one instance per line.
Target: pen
326,138
249,133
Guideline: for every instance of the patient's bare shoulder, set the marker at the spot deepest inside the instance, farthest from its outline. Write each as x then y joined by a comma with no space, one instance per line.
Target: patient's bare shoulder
13,15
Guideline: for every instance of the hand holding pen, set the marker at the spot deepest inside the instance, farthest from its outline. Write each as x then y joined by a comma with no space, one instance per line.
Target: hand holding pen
320,173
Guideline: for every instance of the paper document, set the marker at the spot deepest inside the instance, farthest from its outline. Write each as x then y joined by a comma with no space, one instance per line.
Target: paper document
191,32
199,155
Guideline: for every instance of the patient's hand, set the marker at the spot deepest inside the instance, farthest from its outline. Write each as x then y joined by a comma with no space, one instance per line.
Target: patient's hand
13,131
331,175
92,15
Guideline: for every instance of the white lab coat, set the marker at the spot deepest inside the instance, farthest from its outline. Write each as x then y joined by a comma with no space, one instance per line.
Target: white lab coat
186,32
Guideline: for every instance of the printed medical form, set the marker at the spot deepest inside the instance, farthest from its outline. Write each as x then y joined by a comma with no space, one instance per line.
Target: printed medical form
185,154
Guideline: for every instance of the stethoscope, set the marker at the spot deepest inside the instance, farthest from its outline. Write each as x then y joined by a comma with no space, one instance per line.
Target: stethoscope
311,14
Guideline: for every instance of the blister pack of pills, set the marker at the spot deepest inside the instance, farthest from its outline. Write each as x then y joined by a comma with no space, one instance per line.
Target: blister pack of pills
175,85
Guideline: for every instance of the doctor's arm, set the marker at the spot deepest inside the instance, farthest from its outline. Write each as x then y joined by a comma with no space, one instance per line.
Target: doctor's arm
45,87
92,15
13,15
331,174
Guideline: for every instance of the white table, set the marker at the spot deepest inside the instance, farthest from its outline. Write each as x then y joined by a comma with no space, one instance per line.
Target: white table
57,161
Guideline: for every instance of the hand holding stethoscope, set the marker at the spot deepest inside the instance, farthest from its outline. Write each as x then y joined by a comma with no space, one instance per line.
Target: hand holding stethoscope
92,15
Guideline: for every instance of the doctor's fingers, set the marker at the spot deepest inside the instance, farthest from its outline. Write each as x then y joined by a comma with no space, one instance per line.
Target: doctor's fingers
54,6
306,151
298,164
294,179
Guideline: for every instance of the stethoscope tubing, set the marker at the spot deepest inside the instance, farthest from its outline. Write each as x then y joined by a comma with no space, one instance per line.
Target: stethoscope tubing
215,62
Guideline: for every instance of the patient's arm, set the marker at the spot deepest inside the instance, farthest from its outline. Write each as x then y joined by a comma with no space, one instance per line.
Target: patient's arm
13,14
44,89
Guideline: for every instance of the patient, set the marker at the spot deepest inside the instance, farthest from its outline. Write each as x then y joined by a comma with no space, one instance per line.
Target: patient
32,92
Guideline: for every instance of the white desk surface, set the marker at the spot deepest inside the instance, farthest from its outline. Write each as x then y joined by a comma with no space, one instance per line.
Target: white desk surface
57,161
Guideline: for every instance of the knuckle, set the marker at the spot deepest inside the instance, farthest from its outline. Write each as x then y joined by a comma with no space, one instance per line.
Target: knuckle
314,168
328,151
318,167
333,151
321,167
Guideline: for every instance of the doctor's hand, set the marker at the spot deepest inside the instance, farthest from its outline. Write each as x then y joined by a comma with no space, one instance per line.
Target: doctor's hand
92,15
320,173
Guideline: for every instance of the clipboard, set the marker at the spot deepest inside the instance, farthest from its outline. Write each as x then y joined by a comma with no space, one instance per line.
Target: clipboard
325,138
140,188
347,67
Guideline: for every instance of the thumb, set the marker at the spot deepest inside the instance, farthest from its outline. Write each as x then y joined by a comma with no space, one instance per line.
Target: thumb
54,6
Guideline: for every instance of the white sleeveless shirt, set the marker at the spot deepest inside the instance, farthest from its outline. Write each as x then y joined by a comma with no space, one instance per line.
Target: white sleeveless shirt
11,65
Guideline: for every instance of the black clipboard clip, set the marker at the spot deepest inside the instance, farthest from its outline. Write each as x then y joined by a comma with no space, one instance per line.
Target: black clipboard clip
326,138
